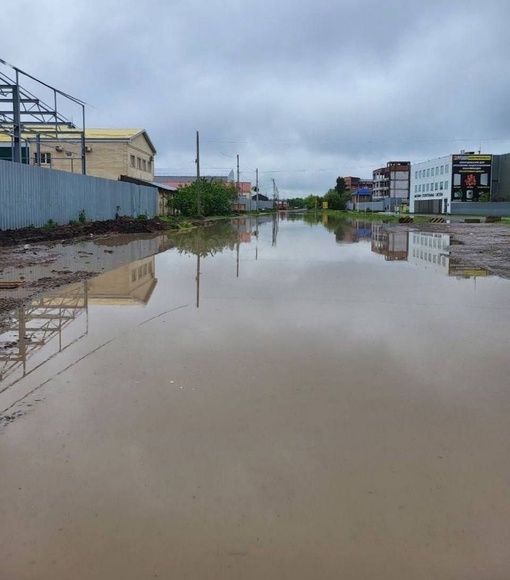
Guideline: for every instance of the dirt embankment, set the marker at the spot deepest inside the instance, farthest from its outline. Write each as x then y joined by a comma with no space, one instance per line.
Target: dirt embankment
124,225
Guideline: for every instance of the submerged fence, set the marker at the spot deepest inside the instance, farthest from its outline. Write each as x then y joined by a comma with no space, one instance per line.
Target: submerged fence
34,195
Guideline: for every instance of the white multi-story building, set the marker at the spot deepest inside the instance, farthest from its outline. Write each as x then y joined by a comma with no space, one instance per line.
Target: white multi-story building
439,185
431,186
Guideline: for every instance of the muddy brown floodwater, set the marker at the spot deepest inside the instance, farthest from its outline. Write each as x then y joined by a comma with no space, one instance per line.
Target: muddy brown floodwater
266,399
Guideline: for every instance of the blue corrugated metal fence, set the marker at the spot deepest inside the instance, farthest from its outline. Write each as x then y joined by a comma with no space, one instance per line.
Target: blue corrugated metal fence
34,195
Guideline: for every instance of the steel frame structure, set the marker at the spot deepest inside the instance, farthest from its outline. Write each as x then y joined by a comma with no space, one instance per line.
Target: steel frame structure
22,113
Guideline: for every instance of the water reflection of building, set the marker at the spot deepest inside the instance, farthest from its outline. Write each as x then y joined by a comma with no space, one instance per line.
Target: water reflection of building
130,284
97,256
49,324
430,250
393,245
353,231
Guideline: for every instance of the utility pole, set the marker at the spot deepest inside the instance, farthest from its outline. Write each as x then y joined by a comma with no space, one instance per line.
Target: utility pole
275,194
199,200
238,175
256,188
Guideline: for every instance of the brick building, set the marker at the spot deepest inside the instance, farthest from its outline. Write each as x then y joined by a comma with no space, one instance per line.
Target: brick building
392,181
355,183
110,153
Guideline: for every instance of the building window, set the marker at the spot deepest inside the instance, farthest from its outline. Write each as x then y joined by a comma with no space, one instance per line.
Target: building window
133,276
144,164
149,165
442,169
446,168
45,158
446,184
138,163
437,170
416,175
428,172
436,187
441,186
132,160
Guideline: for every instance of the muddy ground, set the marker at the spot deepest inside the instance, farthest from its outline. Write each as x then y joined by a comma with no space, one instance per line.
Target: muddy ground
61,233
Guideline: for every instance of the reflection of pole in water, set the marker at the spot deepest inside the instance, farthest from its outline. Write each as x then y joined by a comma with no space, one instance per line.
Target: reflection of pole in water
198,279
237,259
21,338
275,228
256,237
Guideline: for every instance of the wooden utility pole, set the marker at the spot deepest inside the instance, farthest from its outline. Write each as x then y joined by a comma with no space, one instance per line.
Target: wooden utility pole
199,200
275,195
238,175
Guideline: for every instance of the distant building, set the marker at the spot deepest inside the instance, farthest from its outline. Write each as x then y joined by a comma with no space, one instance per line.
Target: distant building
260,197
392,181
361,195
355,183
183,180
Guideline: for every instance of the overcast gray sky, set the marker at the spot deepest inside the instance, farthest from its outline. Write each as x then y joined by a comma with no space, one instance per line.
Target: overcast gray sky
303,90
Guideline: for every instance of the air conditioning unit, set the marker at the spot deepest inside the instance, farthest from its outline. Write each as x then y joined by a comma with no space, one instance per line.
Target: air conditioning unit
88,149
59,148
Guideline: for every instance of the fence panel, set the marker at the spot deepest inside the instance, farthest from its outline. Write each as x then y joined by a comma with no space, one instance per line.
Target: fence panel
34,195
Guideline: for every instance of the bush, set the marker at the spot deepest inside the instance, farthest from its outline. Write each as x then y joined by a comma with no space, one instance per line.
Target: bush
216,199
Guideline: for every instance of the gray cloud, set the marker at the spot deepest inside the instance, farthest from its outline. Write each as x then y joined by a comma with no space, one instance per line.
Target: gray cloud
310,90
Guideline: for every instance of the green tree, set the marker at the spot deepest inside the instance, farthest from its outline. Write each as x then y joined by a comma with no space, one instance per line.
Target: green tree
313,202
340,185
296,203
216,198
334,199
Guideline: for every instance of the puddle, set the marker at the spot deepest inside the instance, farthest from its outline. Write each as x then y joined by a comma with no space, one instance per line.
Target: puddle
267,398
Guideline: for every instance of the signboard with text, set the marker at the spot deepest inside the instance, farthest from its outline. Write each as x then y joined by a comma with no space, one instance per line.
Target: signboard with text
471,177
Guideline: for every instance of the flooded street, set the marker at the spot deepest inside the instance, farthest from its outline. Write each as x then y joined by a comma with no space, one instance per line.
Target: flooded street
270,398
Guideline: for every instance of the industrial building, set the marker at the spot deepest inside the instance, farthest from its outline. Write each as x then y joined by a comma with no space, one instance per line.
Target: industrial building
454,183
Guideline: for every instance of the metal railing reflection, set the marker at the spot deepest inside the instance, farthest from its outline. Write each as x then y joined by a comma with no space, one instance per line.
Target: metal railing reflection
40,325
